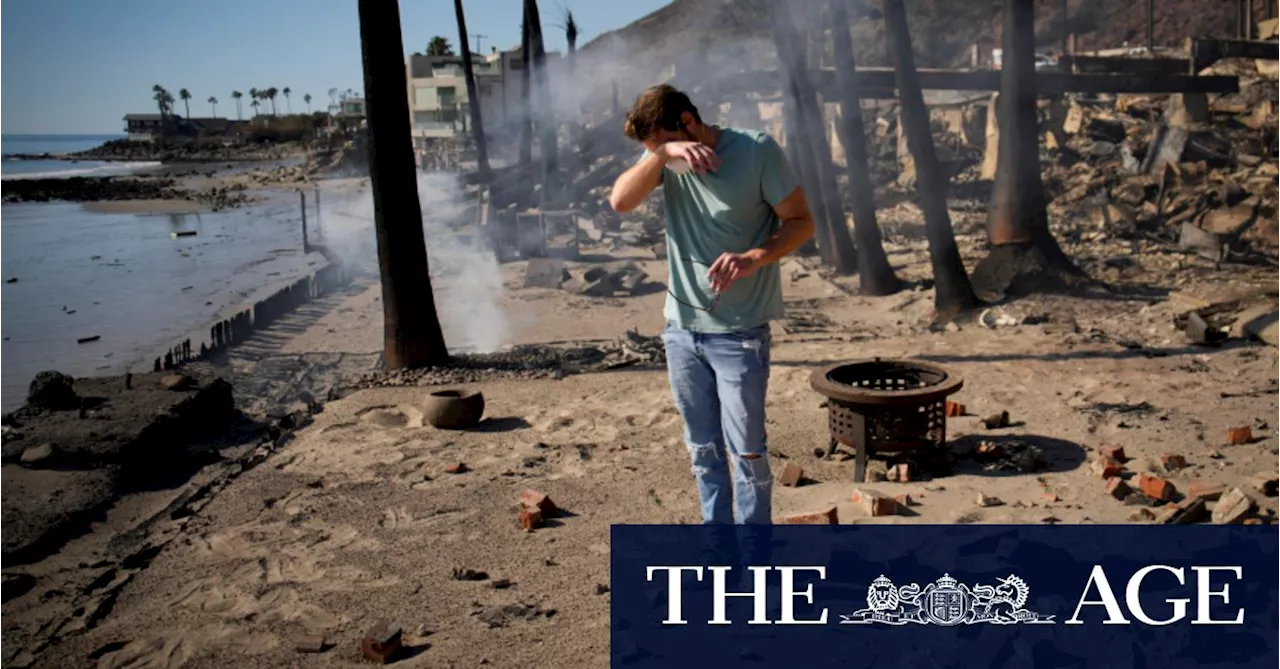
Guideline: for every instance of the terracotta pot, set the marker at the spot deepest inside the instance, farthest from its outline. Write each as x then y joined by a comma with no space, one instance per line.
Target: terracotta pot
453,409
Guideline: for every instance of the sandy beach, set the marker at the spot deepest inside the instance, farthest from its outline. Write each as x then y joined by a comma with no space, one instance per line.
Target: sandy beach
355,518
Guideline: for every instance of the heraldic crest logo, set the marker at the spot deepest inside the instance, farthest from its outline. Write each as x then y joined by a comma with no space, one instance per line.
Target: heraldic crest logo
947,602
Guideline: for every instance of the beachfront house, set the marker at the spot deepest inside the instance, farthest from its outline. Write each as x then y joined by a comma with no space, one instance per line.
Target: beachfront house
438,99
147,127
142,127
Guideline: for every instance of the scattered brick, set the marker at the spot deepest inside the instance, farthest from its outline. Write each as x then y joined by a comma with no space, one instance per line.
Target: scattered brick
900,472
1239,435
537,500
1048,497
1232,508
382,643
904,500
1173,463
530,517
456,468
1252,521
1193,511
1107,468
1117,488
1265,483
311,644
1207,490
874,503
989,500
1114,452
1155,487
828,517
989,450
996,420
791,475
954,409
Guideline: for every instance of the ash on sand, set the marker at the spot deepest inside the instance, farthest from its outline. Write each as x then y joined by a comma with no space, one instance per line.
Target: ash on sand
534,361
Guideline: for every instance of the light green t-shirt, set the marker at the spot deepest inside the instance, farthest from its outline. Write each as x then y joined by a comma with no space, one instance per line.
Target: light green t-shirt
729,210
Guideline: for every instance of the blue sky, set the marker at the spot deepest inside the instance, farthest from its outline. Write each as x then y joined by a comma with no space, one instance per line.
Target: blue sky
78,66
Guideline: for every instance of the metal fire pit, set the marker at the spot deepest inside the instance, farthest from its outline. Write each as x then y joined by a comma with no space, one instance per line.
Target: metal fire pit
887,406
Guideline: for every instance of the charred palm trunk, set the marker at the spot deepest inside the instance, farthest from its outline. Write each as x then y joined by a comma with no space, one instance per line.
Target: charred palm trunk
411,329
1024,252
473,96
952,291
874,272
823,190
526,114
547,141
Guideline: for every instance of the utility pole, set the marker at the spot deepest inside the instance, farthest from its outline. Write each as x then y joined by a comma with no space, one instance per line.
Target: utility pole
411,328
478,37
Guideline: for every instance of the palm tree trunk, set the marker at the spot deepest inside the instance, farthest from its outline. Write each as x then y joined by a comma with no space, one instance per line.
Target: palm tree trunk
239,114
952,291
549,139
526,115
874,272
1024,251
411,329
187,105
825,193
473,94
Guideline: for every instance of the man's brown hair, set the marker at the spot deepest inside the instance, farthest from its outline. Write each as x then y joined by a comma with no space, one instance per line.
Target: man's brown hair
658,107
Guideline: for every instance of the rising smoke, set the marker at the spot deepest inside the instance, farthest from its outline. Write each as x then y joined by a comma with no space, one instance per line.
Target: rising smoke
465,273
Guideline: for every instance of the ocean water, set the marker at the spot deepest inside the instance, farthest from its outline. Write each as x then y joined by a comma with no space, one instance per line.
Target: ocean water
36,144
125,279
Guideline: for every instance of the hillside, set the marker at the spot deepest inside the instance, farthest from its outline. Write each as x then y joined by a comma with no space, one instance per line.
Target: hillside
734,35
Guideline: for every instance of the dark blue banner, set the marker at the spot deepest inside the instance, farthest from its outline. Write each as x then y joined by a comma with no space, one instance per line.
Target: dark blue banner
915,596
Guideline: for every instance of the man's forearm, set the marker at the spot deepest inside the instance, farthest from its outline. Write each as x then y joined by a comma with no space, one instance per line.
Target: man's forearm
635,184
791,235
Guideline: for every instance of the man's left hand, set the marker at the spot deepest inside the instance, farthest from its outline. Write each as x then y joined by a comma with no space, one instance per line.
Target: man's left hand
730,267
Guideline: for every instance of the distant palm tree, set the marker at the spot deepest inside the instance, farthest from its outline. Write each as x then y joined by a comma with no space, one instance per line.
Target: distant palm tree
213,102
439,46
164,101
307,99
255,95
186,100
237,95
270,95
287,101
254,104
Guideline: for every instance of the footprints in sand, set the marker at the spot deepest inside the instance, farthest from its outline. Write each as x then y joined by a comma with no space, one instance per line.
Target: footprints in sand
259,539
170,650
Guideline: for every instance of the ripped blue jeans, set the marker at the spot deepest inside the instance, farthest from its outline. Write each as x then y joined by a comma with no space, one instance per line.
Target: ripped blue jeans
719,381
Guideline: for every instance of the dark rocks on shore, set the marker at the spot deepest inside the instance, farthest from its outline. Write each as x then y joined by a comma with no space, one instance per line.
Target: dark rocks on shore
53,390
98,189
180,151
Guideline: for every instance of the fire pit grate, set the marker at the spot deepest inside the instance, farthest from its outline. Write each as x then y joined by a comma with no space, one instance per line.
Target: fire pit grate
887,406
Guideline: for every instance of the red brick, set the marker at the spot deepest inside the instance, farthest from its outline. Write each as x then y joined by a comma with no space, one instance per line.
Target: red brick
382,643
900,472
954,409
538,500
874,503
1209,490
1155,487
1251,521
904,500
828,517
1172,462
1239,435
791,475
1048,497
1106,468
1117,488
456,468
1114,452
530,517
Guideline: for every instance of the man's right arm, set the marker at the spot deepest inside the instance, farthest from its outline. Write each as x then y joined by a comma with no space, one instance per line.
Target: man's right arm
634,185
